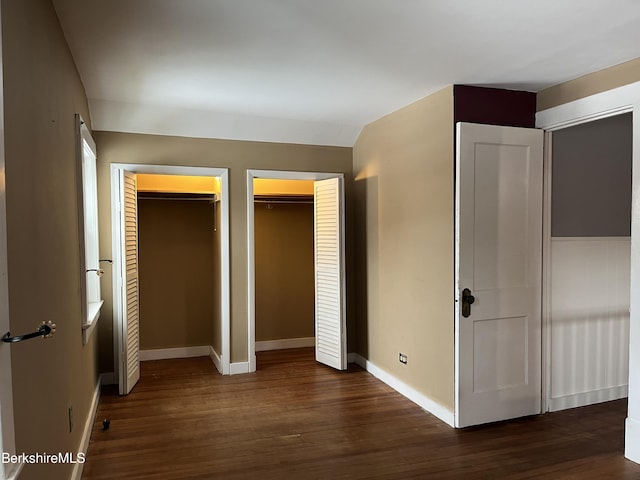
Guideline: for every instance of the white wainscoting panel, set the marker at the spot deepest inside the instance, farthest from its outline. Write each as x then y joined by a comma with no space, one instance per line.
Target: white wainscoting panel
589,320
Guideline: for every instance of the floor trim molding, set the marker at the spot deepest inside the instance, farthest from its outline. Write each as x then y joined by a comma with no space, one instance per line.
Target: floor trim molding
237,368
215,358
588,398
402,388
76,474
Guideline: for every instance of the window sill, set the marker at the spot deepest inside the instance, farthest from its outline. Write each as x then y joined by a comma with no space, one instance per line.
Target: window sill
93,314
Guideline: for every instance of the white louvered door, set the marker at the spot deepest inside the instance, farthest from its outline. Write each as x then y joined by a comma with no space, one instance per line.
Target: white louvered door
330,318
130,323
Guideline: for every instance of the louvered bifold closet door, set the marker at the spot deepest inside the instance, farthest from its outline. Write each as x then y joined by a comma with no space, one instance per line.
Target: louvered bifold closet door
330,318
131,322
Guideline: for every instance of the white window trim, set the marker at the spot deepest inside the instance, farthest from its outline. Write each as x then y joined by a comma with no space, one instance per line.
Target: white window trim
91,300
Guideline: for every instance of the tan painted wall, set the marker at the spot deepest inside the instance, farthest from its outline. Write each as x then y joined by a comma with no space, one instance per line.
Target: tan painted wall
284,271
597,82
176,276
238,156
42,92
403,168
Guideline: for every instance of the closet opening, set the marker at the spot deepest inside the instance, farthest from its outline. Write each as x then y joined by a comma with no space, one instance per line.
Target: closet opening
284,264
171,266
179,265
283,203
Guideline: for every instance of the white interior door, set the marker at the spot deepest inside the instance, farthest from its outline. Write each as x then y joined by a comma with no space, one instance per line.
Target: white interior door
330,318
499,261
129,338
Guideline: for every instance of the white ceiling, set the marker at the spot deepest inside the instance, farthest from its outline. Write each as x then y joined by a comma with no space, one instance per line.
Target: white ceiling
317,71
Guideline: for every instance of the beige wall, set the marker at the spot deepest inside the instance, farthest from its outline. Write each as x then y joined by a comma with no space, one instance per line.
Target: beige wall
284,271
238,156
42,92
597,82
403,167
176,275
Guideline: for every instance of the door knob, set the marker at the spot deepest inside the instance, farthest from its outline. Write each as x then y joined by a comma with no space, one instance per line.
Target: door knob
467,300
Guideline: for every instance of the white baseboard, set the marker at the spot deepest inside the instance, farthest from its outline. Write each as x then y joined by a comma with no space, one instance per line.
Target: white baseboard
285,343
399,386
179,352
588,398
108,378
239,367
76,474
215,358
632,439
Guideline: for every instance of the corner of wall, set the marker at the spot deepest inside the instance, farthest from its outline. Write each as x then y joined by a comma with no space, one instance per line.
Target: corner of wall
403,201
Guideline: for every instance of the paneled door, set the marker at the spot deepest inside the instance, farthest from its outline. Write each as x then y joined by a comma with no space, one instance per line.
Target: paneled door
498,273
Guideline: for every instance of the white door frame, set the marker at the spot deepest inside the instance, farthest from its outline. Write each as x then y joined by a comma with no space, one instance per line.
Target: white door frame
251,265
223,174
602,105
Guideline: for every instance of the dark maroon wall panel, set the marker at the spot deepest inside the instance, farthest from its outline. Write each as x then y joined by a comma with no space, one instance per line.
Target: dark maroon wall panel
494,106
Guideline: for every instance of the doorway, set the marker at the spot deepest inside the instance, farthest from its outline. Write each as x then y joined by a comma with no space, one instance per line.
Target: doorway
602,105
284,266
127,359
330,285
587,260
178,265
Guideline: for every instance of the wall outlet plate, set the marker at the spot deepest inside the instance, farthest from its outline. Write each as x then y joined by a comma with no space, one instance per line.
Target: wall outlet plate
402,358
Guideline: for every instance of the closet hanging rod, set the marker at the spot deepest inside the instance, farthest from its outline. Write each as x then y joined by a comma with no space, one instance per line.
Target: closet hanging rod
211,197
283,199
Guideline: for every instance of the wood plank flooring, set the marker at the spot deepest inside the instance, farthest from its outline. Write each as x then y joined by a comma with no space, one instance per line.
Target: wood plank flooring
295,419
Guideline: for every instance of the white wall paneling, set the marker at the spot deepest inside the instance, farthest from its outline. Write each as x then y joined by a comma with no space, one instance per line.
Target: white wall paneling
589,320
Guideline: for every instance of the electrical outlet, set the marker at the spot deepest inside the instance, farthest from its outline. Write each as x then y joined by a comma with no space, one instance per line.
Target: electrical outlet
402,358
70,418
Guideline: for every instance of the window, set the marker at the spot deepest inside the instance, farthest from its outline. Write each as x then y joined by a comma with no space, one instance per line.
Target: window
89,250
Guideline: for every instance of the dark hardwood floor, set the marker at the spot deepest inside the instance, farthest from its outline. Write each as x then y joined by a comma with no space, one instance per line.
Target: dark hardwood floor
295,419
